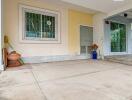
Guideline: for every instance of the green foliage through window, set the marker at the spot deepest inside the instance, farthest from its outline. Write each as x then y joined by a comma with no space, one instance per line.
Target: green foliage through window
39,26
118,37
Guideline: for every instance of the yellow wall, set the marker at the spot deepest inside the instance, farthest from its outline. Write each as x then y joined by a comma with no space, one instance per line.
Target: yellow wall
76,19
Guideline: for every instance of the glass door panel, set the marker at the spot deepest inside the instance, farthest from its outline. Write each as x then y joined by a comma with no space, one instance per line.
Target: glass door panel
86,39
118,37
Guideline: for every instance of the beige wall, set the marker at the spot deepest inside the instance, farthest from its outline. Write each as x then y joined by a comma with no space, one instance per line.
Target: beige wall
11,26
70,30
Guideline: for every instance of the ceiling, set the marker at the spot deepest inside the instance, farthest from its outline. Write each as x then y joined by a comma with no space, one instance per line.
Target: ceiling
123,17
129,14
70,5
105,6
91,6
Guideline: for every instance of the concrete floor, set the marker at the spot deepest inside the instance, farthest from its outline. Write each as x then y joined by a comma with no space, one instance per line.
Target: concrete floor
123,59
69,80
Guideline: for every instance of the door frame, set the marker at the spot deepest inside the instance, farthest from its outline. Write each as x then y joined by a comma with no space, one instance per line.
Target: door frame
120,53
79,52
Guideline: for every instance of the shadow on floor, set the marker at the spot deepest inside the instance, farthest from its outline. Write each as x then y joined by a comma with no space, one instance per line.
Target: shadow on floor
2,98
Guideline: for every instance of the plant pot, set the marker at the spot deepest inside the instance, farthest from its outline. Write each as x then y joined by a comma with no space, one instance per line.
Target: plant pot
94,55
13,63
14,56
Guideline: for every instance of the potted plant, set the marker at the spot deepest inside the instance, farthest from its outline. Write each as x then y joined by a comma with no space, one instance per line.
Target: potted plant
94,48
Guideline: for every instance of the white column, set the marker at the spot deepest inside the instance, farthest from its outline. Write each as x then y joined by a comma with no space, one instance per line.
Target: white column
1,32
98,33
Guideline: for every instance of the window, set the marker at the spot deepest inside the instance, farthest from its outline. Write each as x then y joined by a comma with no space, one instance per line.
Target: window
118,37
39,25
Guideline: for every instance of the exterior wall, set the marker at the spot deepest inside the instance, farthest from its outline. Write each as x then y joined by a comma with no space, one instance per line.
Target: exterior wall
107,43
75,20
129,38
98,32
1,34
11,28
70,20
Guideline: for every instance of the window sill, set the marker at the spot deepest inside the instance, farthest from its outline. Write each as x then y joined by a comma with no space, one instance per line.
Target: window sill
40,42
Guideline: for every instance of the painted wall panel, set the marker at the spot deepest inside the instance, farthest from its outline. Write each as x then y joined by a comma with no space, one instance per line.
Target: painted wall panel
98,33
11,28
76,19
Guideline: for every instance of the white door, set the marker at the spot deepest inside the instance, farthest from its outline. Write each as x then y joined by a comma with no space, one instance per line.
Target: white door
86,39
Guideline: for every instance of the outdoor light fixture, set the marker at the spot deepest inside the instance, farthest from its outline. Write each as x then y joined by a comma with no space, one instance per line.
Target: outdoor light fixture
125,14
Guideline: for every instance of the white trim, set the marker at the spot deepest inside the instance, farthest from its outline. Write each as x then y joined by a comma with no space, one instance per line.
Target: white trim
114,21
118,53
1,35
46,40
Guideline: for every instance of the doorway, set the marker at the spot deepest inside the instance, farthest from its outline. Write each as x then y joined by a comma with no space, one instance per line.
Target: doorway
86,39
118,37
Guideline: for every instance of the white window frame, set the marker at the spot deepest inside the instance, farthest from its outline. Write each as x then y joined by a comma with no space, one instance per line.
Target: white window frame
23,39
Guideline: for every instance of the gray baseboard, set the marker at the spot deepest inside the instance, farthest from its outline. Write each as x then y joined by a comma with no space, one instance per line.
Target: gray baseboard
43,59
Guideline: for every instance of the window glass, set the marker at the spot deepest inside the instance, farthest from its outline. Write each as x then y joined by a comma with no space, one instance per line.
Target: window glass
33,25
118,37
48,26
39,26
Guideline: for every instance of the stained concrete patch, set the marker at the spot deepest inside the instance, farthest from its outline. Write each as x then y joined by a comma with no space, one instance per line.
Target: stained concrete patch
28,92
1,97
66,91
12,78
